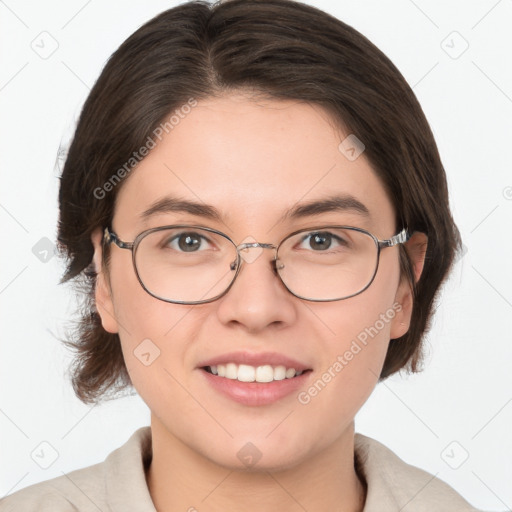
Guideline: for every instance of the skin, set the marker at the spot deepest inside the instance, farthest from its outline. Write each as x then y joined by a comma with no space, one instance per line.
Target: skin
253,160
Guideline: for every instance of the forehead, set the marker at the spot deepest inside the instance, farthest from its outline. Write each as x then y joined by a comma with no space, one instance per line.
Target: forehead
253,160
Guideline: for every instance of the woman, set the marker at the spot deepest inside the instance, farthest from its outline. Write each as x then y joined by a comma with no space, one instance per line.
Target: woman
257,203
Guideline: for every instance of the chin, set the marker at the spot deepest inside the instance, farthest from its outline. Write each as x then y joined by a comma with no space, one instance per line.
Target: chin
256,456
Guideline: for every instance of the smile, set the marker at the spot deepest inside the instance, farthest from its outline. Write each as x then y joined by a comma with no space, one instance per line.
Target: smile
247,373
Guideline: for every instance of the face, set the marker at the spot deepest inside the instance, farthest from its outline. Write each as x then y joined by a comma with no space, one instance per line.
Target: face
253,161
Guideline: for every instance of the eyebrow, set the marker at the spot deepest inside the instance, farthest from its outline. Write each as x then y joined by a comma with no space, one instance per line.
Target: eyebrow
336,203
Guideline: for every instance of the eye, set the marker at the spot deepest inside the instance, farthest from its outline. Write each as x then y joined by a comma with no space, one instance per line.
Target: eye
188,241
323,240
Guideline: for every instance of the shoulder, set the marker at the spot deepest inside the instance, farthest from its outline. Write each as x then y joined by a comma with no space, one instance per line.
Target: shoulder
119,480
74,491
395,485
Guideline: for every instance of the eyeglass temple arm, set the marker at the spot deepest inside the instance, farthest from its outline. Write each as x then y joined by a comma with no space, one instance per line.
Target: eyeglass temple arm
109,237
401,238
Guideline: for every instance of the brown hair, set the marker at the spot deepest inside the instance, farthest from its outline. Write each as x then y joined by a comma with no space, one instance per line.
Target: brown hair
282,49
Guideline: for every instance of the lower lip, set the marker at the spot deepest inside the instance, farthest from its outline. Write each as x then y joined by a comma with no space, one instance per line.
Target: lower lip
255,393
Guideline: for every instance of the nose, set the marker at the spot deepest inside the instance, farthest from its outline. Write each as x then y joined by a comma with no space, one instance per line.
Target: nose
257,298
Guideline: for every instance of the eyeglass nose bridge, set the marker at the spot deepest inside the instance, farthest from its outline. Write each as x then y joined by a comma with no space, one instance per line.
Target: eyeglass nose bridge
249,245
246,245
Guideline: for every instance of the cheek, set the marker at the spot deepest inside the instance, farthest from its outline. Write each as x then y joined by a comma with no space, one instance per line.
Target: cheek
351,364
155,344
151,331
139,315
354,344
365,318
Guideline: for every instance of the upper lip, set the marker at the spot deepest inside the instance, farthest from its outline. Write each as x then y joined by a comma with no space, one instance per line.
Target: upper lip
255,359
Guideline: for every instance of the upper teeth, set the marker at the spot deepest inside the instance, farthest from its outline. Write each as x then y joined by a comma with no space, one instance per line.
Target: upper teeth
246,373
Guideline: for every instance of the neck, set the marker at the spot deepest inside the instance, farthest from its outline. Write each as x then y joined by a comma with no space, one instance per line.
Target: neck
180,478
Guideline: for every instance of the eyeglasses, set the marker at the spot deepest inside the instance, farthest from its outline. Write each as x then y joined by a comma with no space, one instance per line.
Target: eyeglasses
186,264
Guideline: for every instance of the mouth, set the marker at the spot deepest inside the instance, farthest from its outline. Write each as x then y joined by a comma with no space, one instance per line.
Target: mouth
255,385
247,373
254,379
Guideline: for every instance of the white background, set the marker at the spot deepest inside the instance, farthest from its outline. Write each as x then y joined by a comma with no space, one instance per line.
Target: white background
464,394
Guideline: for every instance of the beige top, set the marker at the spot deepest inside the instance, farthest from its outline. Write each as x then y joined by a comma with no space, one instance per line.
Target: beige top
119,484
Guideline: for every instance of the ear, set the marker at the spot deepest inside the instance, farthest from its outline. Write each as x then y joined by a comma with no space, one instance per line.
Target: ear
102,291
416,248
